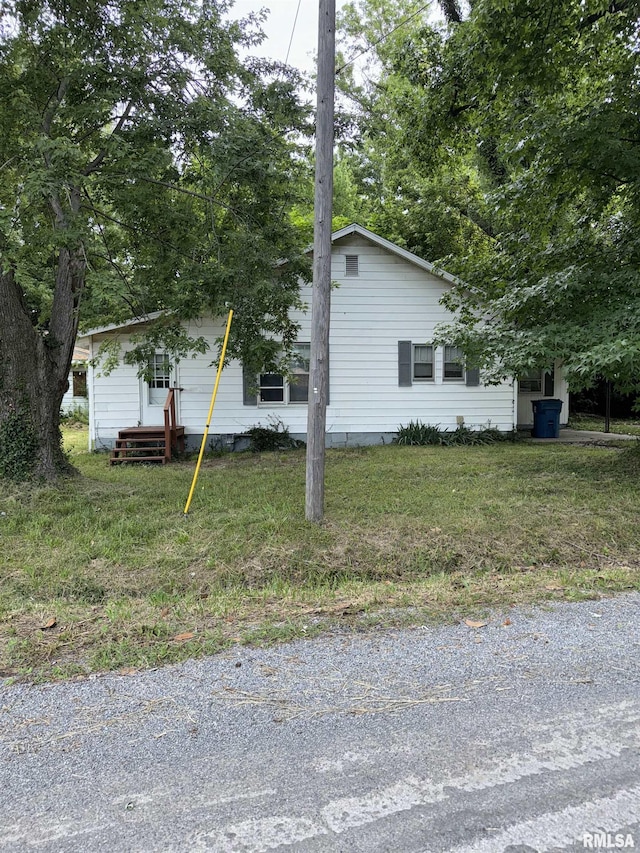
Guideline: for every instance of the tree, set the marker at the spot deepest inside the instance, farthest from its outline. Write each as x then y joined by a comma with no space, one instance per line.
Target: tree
144,167
544,97
430,203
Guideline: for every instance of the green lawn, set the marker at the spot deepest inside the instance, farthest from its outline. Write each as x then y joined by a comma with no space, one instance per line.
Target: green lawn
411,534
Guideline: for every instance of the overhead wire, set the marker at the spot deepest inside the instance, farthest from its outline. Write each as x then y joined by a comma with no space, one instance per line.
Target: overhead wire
295,21
383,37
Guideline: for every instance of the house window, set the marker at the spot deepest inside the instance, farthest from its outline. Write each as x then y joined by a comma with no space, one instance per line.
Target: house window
159,378
299,379
276,388
422,362
271,388
530,381
453,364
79,383
351,265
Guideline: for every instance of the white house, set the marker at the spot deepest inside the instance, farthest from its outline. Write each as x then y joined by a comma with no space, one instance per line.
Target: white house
384,370
75,398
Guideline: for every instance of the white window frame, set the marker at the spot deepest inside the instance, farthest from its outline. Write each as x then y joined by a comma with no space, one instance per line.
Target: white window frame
297,368
446,361
414,362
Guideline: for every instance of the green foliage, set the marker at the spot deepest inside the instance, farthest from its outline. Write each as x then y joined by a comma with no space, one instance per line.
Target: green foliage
134,137
274,436
427,203
17,446
415,433
505,145
542,100
75,415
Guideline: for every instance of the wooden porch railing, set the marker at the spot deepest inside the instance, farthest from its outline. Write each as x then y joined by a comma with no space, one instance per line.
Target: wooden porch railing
170,425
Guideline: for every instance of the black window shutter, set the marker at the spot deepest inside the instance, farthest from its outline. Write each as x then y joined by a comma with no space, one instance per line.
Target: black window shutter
549,383
404,363
249,389
473,376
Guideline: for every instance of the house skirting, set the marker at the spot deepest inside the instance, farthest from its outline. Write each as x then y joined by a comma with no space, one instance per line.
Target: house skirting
239,441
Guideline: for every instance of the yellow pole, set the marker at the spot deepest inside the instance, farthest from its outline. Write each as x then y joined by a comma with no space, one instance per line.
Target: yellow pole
213,400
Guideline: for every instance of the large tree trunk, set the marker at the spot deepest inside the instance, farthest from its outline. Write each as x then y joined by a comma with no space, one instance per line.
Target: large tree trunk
34,370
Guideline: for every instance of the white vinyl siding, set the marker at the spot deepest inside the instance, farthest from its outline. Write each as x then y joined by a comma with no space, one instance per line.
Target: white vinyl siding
114,400
390,300
76,397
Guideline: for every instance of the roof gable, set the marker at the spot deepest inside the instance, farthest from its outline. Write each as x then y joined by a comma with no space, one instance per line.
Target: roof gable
348,231
111,327
393,248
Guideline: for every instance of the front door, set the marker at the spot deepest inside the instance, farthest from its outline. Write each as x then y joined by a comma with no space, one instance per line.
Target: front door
154,390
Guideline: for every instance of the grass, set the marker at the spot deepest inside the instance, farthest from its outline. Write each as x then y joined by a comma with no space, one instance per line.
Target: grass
106,572
594,422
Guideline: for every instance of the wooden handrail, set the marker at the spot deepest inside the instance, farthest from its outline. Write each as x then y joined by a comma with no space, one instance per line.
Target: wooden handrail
170,432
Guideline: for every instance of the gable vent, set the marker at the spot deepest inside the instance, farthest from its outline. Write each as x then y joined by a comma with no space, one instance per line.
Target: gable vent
351,265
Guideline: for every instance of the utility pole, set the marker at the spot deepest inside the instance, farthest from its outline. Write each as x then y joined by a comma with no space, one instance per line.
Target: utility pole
321,293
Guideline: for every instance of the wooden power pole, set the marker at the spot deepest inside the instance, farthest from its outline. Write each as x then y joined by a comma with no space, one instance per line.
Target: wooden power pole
321,292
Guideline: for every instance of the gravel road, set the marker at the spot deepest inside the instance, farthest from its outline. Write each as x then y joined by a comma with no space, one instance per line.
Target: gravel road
521,735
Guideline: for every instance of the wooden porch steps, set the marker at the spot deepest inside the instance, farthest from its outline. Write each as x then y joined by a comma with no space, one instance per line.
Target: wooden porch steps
146,444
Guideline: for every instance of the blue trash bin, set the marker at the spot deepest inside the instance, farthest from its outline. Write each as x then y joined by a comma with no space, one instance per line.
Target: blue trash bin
546,418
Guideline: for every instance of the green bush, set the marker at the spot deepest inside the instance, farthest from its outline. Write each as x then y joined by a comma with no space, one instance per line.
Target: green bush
75,415
419,434
275,436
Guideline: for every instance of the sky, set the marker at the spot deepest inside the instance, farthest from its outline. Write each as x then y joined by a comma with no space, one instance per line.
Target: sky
279,25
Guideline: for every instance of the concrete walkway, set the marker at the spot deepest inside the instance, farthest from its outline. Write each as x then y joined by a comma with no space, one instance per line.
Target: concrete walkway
584,436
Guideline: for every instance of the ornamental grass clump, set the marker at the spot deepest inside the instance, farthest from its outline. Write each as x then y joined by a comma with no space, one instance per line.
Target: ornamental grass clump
419,434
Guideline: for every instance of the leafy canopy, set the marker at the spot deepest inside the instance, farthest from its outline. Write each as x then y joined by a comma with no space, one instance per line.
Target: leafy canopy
134,136
544,98
420,199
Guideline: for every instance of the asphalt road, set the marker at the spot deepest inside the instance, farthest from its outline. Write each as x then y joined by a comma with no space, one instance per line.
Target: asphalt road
513,737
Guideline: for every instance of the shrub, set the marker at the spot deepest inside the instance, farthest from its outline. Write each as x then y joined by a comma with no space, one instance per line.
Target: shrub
274,436
75,415
419,434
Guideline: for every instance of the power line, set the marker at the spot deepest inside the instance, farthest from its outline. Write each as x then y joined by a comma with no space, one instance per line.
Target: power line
382,38
295,21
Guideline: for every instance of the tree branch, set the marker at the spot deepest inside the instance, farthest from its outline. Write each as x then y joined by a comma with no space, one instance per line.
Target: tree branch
127,227
612,9
97,161
53,103
451,11
191,193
